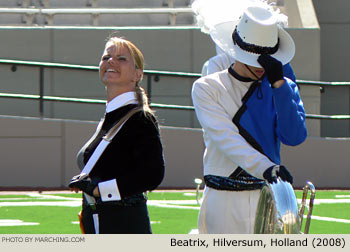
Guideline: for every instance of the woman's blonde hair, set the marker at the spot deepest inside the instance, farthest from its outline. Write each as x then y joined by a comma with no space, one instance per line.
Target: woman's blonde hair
139,64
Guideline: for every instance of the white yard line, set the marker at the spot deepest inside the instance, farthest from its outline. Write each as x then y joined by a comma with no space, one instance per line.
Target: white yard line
179,204
328,201
329,219
43,203
175,202
8,223
194,231
13,199
164,205
74,202
190,194
41,196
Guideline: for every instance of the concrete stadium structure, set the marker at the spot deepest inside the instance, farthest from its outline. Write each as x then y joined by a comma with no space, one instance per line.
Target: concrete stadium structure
66,126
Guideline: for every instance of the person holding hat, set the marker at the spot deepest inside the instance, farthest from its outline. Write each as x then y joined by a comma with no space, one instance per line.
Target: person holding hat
246,112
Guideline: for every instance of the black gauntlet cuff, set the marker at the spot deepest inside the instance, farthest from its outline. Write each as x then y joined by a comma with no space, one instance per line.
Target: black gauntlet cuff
84,183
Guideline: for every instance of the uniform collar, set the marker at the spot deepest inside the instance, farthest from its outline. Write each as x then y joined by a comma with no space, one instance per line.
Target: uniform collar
121,100
238,76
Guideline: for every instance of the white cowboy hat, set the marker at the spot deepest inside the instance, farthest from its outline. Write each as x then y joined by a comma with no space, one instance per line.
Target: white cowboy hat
257,32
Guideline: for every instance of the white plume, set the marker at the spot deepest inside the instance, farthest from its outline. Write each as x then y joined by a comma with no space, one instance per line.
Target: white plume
209,13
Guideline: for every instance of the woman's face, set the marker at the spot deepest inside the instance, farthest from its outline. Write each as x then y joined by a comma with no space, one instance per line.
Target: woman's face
117,67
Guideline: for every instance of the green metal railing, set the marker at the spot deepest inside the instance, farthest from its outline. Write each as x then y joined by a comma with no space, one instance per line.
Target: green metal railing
148,73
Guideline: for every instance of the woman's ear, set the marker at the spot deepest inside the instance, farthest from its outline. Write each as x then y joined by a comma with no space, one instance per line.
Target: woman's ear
139,74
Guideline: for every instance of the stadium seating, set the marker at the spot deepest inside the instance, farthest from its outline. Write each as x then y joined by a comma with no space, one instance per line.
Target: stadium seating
76,39
96,12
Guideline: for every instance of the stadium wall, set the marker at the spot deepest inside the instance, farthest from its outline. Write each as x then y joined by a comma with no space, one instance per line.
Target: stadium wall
335,36
41,153
171,49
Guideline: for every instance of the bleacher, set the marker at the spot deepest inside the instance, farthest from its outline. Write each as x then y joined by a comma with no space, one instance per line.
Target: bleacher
96,12
41,30
74,32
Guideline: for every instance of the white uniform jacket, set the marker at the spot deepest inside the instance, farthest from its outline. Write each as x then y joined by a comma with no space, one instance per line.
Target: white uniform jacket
217,98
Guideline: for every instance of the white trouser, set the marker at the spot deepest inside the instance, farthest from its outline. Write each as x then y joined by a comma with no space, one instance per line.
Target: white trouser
228,212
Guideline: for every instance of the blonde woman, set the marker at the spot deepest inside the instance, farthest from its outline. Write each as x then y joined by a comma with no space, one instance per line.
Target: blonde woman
132,163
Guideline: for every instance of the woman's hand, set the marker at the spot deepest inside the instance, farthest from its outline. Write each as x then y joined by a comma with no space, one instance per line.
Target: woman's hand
76,190
96,192
84,183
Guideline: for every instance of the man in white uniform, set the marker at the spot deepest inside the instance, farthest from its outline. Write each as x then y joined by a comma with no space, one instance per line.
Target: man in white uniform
246,111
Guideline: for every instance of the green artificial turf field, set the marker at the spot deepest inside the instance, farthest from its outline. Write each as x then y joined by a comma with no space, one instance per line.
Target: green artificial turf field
171,212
